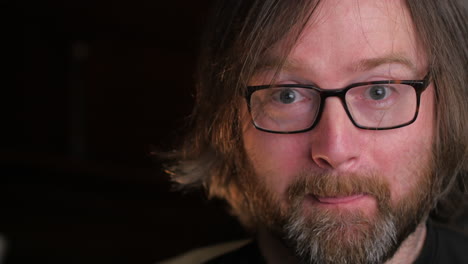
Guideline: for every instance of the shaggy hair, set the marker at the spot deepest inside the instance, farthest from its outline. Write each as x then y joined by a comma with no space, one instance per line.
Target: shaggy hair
242,31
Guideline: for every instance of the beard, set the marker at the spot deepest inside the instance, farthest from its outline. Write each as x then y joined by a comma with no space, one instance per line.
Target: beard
319,234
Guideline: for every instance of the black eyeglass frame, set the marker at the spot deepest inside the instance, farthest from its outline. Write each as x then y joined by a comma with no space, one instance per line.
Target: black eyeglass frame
418,85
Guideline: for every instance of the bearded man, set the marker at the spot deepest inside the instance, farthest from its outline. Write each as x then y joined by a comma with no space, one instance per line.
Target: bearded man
334,129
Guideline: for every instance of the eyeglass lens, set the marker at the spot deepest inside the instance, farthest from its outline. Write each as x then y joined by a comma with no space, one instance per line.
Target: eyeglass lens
294,108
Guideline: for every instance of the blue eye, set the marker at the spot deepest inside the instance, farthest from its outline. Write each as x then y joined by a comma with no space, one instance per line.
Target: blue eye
287,96
378,92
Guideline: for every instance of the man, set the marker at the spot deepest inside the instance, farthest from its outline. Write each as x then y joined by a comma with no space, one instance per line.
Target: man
334,128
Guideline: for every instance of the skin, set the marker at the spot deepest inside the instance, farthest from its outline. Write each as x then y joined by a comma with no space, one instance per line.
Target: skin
347,42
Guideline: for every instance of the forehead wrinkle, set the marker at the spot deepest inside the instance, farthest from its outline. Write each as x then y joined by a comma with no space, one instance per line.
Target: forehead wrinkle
272,62
292,65
392,58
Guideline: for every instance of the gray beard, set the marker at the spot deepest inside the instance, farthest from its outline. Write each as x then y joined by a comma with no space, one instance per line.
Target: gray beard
320,235
323,237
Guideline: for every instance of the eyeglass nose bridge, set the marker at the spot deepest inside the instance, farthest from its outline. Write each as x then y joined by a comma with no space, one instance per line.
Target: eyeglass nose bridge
341,94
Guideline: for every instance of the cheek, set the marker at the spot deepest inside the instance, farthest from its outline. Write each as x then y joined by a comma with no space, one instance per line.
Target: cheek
275,158
405,154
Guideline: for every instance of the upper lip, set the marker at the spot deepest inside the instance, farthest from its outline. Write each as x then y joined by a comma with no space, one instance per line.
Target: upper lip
338,198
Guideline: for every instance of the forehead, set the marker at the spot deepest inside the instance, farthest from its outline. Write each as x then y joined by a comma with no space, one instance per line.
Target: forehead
354,36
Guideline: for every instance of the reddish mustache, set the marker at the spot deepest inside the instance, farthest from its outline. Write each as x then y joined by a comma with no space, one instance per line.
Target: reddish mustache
339,185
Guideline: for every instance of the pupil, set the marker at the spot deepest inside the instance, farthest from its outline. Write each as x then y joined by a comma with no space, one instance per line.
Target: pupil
377,93
287,96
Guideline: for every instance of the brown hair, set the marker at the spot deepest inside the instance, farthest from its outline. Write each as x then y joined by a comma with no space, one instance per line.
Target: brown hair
241,32
442,28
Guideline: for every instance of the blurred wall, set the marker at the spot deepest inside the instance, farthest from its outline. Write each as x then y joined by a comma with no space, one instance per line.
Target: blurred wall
89,88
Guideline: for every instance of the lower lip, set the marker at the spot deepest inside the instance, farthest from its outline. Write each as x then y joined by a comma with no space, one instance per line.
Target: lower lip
339,199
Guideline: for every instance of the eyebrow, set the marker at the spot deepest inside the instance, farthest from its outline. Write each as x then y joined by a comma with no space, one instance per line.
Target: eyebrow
392,58
271,62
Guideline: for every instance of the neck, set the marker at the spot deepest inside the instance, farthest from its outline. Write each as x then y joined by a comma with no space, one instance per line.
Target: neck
411,247
274,251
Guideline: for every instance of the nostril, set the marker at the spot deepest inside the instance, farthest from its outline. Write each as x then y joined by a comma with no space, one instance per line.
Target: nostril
322,162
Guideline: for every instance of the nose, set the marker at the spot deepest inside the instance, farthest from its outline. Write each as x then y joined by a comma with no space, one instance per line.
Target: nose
335,141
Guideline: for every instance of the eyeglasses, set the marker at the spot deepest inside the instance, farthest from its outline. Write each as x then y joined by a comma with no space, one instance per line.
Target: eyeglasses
296,108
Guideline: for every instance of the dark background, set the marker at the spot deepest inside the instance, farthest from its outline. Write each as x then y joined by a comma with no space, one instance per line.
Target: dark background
88,89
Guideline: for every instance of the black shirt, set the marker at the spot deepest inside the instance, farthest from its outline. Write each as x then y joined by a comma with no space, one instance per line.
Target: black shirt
442,246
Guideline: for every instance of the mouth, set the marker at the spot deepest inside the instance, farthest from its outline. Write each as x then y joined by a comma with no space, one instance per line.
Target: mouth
339,199
362,202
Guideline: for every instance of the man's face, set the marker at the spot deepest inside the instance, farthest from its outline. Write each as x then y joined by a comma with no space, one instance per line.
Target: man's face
368,183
